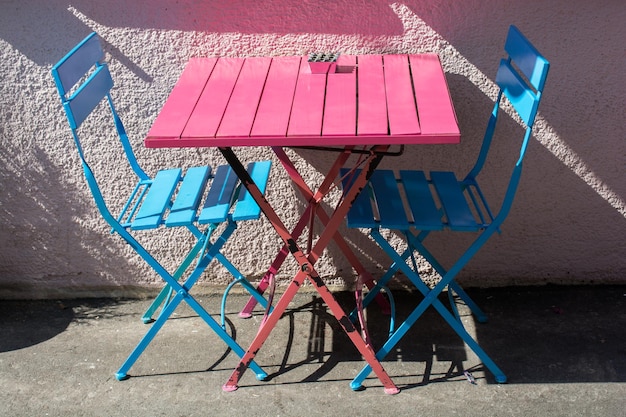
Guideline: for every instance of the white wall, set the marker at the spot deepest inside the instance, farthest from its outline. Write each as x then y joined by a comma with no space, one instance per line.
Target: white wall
567,225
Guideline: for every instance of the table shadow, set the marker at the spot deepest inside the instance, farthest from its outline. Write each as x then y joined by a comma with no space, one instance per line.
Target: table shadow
539,334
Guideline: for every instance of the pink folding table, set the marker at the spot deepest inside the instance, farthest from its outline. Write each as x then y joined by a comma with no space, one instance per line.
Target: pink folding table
362,108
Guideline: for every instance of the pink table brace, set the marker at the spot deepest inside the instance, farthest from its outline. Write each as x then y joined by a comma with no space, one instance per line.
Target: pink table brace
368,104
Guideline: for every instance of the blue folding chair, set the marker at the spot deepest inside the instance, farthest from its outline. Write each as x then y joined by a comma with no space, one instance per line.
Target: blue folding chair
416,203
198,200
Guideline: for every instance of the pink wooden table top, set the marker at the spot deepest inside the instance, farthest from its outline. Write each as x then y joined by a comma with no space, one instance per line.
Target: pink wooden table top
263,101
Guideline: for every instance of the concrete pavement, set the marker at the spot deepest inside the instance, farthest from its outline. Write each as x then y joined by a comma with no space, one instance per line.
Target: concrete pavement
563,350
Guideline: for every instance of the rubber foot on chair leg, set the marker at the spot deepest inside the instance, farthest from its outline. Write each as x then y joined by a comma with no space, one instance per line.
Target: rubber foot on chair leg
122,377
500,379
261,376
356,387
147,320
245,315
229,388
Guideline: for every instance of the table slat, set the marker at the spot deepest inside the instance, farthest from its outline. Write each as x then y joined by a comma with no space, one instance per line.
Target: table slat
434,105
241,110
340,106
403,118
183,98
207,115
308,103
272,117
372,108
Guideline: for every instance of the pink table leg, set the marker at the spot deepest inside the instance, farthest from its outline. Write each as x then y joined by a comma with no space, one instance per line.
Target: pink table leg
363,274
306,270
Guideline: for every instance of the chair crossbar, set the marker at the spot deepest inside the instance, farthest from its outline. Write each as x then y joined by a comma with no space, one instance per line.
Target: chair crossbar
388,200
361,214
132,204
77,63
451,194
426,215
530,62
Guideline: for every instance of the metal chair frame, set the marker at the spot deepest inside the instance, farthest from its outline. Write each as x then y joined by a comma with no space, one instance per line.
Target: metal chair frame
169,198
438,201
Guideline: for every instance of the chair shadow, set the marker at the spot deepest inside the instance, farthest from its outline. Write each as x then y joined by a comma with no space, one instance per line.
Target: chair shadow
539,334
428,341
555,334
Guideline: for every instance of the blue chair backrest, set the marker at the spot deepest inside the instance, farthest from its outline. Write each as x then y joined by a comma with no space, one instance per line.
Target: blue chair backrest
532,65
83,81
521,78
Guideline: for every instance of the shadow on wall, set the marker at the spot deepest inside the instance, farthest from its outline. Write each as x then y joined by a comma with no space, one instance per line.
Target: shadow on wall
236,16
54,231
40,38
583,154
408,20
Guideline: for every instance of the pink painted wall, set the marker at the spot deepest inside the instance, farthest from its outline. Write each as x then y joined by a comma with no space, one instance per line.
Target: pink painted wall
567,225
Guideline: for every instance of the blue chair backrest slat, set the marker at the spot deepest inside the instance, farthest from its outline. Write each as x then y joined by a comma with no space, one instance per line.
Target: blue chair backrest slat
426,216
361,213
517,91
158,199
530,62
388,200
247,208
185,208
88,96
77,63
452,198
220,196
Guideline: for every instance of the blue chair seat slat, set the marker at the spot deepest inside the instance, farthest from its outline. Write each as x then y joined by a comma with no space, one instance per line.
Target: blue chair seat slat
517,91
388,200
185,207
157,200
458,213
220,197
89,95
426,216
361,214
247,208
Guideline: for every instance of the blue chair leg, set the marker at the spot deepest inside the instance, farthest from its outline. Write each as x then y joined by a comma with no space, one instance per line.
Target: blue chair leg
182,293
430,298
166,293
415,245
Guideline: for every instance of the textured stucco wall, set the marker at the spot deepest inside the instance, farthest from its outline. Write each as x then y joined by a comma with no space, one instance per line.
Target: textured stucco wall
567,225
